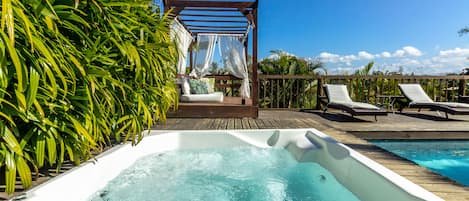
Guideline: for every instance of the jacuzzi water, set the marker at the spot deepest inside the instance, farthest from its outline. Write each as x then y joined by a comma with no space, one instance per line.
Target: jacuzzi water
446,157
243,173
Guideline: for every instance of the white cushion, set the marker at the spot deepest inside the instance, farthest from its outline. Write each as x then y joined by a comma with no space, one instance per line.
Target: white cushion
212,97
415,93
357,105
337,93
454,104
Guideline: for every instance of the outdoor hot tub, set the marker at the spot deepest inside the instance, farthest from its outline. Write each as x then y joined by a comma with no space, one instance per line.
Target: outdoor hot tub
362,178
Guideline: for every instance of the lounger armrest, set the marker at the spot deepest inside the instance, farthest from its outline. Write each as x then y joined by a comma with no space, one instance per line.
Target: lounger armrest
323,100
401,102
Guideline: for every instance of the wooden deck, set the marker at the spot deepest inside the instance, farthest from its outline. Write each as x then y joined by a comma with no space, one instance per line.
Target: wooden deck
232,107
348,130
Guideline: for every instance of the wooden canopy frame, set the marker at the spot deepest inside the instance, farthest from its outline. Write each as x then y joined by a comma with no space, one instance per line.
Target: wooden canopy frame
221,17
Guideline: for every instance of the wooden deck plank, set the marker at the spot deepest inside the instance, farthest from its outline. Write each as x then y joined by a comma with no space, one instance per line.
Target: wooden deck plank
261,124
223,124
201,125
245,123
270,123
238,124
216,124
253,124
230,124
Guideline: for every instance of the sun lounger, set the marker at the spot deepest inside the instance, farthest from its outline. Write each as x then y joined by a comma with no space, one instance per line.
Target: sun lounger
419,99
338,98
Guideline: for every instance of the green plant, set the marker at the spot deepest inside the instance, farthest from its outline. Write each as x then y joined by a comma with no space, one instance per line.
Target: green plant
282,63
75,76
289,93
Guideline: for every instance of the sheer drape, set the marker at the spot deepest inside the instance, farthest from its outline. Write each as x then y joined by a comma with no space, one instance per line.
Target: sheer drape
204,55
233,54
183,40
234,59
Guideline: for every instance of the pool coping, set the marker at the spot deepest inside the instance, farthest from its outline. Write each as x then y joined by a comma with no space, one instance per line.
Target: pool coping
411,135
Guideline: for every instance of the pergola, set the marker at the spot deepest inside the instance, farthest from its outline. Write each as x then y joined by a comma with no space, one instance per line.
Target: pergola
222,17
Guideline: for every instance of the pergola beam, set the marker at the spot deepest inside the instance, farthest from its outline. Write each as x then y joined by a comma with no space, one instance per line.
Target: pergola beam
211,9
226,30
211,4
210,16
184,25
220,32
216,27
216,21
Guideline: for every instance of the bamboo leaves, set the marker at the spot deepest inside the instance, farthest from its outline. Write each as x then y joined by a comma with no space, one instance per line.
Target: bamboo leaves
76,75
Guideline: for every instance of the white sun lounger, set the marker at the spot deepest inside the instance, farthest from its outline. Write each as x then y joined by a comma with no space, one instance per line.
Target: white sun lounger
338,98
419,99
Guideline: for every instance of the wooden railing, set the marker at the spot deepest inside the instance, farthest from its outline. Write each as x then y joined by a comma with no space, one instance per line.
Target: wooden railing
304,92
228,84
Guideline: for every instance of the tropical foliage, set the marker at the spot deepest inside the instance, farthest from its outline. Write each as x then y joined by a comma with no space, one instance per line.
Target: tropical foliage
362,86
463,31
76,76
282,63
284,93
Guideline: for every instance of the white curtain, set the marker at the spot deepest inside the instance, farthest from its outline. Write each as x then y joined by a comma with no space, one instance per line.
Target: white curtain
234,59
204,55
183,40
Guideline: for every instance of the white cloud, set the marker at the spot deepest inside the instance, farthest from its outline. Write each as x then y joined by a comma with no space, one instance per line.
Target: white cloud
329,57
407,51
410,58
385,55
365,55
457,57
348,59
412,51
410,62
458,52
399,53
273,56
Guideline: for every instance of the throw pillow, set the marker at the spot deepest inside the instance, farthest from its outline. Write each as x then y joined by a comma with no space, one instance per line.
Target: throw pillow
198,87
210,84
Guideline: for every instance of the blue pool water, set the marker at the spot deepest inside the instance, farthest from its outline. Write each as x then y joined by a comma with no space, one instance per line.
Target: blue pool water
224,174
446,157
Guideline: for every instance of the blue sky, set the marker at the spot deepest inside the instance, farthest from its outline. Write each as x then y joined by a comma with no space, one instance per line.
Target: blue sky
419,35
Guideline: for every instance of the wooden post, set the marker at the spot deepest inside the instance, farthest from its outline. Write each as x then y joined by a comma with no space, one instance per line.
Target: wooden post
376,91
243,101
246,42
319,94
462,87
255,79
166,6
191,56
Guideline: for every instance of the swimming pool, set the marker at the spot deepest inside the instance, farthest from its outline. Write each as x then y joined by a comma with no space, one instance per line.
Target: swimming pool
364,178
446,157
